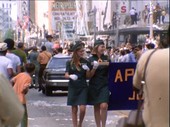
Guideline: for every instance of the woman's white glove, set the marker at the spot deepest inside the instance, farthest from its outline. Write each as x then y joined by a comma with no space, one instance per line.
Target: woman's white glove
95,64
73,77
85,67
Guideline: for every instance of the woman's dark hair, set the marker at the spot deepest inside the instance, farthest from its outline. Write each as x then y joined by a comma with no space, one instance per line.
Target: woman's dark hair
10,43
20,45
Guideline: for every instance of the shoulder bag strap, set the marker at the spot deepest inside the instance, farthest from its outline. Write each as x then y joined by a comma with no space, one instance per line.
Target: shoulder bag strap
140,102
144,73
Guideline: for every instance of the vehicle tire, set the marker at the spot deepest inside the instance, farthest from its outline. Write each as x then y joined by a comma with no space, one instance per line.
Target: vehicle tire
48,91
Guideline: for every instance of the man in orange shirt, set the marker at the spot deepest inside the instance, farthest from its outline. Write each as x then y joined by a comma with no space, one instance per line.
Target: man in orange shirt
43,58
21,84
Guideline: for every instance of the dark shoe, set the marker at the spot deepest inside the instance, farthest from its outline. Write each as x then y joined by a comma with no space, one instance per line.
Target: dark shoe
39,89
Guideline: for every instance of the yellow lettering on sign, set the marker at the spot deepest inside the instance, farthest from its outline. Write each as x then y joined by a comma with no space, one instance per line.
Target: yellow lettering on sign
135,96
128,73
118,76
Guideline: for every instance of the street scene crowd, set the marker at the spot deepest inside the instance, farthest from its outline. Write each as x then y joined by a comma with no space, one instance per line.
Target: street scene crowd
22,65
18,65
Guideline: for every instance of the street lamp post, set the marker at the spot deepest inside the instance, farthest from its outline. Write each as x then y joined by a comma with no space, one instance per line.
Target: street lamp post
117,23
151,21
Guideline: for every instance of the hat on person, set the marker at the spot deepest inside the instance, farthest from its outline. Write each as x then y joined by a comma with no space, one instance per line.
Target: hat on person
98,42
49,36
78,44
3,46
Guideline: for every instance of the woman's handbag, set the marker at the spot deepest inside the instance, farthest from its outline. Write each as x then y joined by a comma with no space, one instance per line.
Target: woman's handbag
134,118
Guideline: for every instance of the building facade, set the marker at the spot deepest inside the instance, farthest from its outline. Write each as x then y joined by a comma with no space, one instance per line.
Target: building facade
8,18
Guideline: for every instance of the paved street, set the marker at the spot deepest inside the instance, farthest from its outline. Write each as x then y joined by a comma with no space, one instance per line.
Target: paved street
52,111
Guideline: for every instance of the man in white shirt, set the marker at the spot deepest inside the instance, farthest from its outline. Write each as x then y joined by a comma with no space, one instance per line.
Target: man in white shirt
132,15
60,52
49,44
5,64
16,63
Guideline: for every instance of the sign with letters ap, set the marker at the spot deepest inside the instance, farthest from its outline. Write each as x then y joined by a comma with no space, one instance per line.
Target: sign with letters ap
122,96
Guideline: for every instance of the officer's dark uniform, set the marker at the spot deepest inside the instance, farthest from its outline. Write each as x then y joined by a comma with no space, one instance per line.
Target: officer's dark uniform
98,91
78,89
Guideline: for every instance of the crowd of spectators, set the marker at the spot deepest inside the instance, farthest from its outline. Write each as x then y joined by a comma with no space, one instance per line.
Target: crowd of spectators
16,58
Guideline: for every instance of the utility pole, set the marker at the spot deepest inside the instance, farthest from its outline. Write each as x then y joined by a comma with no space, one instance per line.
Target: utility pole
94,20
151,21
93,13
117,23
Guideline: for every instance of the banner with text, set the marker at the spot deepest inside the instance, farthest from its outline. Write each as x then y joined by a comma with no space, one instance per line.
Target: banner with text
120,85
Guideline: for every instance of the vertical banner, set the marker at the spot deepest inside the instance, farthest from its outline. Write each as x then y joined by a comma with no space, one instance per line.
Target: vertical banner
122,96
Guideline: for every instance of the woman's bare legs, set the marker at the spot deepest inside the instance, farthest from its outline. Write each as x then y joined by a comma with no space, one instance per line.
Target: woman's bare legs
81,114
74,115
97,114
103,113
100,114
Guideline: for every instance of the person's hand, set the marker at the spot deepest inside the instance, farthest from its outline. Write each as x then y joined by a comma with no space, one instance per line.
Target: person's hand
73,77
85,67
95,64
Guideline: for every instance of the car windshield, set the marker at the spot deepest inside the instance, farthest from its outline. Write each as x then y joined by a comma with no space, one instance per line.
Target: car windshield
57,63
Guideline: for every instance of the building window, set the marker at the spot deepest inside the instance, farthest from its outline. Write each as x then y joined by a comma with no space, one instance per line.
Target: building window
10,5
2,5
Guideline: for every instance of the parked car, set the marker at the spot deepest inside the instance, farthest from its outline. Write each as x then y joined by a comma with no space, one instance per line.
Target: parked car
53,75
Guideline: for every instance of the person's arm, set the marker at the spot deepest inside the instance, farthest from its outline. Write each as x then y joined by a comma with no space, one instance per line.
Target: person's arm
11,109
25,90
10,72
67,75
24,58
39,58
88,74
12,81
93,70
18,68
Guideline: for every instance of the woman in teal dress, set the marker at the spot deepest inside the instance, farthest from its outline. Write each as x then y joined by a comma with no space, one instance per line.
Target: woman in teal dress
77,70
98,95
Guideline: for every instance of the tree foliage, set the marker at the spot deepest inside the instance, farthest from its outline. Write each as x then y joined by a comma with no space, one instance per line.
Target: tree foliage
9,34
